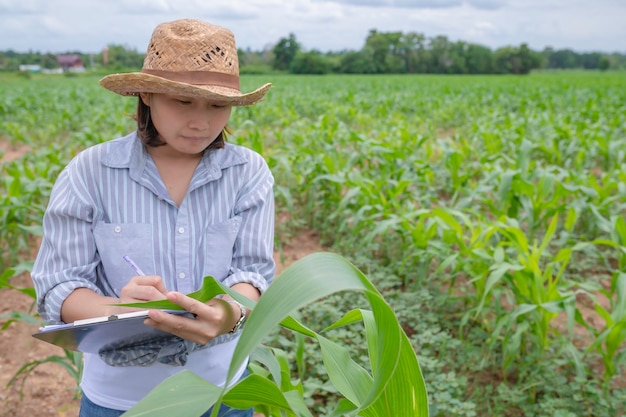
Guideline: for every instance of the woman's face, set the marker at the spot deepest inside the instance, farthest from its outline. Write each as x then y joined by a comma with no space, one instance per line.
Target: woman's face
187,125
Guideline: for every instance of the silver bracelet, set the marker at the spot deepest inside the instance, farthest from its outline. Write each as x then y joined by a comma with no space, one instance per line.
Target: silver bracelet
242,319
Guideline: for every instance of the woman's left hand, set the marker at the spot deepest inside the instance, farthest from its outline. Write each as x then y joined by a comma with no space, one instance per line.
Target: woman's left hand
213,318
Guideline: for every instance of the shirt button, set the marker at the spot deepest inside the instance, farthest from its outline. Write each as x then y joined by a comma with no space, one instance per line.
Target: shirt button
181,230
181,275
117,229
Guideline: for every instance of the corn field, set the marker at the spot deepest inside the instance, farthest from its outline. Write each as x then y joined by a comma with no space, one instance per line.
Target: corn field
490,211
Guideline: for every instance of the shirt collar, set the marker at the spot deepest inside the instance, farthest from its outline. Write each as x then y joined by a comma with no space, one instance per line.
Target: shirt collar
129,152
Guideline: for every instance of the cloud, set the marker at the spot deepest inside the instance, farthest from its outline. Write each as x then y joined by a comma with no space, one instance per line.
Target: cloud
326,25
422,4
413,4
171,9
143,6
486,4
22,7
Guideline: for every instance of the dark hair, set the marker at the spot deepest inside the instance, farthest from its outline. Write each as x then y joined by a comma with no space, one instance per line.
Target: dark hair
149,135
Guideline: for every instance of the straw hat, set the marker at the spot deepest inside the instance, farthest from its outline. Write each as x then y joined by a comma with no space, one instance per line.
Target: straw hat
188,58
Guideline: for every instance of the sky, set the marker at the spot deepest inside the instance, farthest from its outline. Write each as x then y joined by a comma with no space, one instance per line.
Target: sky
325,25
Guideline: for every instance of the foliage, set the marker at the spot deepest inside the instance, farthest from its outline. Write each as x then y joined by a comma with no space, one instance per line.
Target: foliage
357,63
310,63
506,203
120,57
285,51
515,60
71,361
488,211
395,385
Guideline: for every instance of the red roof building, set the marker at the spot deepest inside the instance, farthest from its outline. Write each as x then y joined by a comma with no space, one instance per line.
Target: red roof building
70,62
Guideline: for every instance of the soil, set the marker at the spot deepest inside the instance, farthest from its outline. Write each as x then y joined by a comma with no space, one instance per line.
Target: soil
49,390
9,152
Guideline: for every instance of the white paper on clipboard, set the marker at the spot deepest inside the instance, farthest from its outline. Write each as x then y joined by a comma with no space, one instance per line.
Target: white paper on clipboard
92,335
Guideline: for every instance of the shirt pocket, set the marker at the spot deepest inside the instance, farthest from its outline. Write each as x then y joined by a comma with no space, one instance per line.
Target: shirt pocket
219,244
116,240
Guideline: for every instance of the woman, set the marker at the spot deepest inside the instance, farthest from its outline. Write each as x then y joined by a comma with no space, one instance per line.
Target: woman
175,198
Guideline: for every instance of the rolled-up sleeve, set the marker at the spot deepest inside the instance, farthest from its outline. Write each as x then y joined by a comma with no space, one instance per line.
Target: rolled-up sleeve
66,259
253,260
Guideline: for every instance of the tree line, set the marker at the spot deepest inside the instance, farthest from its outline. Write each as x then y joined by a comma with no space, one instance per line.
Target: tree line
383,53
398,52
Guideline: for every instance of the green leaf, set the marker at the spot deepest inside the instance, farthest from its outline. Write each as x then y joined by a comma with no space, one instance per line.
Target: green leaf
615,338
394,400
5,278
12,316
265,356
253,390
346,375
298,286
504,188
620,229
571,219
183,391
350,317
549,233
210,289
619,310
522,309
396,386
496,275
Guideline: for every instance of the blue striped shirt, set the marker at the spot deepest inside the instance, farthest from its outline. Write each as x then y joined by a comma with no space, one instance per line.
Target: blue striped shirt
110,201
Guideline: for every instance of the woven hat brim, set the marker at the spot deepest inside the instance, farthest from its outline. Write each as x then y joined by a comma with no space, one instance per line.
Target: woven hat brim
133,83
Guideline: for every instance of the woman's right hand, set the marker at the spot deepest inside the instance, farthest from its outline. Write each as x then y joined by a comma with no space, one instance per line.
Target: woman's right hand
143,288
84,303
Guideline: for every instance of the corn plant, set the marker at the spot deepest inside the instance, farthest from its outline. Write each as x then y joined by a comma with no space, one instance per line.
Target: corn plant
394,386
71,361
534,291
610,340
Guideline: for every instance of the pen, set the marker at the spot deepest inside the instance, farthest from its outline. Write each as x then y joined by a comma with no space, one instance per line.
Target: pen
133,265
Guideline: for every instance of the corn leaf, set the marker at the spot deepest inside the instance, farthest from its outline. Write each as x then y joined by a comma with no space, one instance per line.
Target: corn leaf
395,387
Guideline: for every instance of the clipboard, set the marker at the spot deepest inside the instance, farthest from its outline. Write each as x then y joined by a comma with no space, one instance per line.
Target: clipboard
92,335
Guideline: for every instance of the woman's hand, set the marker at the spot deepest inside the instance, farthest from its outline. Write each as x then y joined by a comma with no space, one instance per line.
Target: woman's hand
84,303
143,288
213,318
